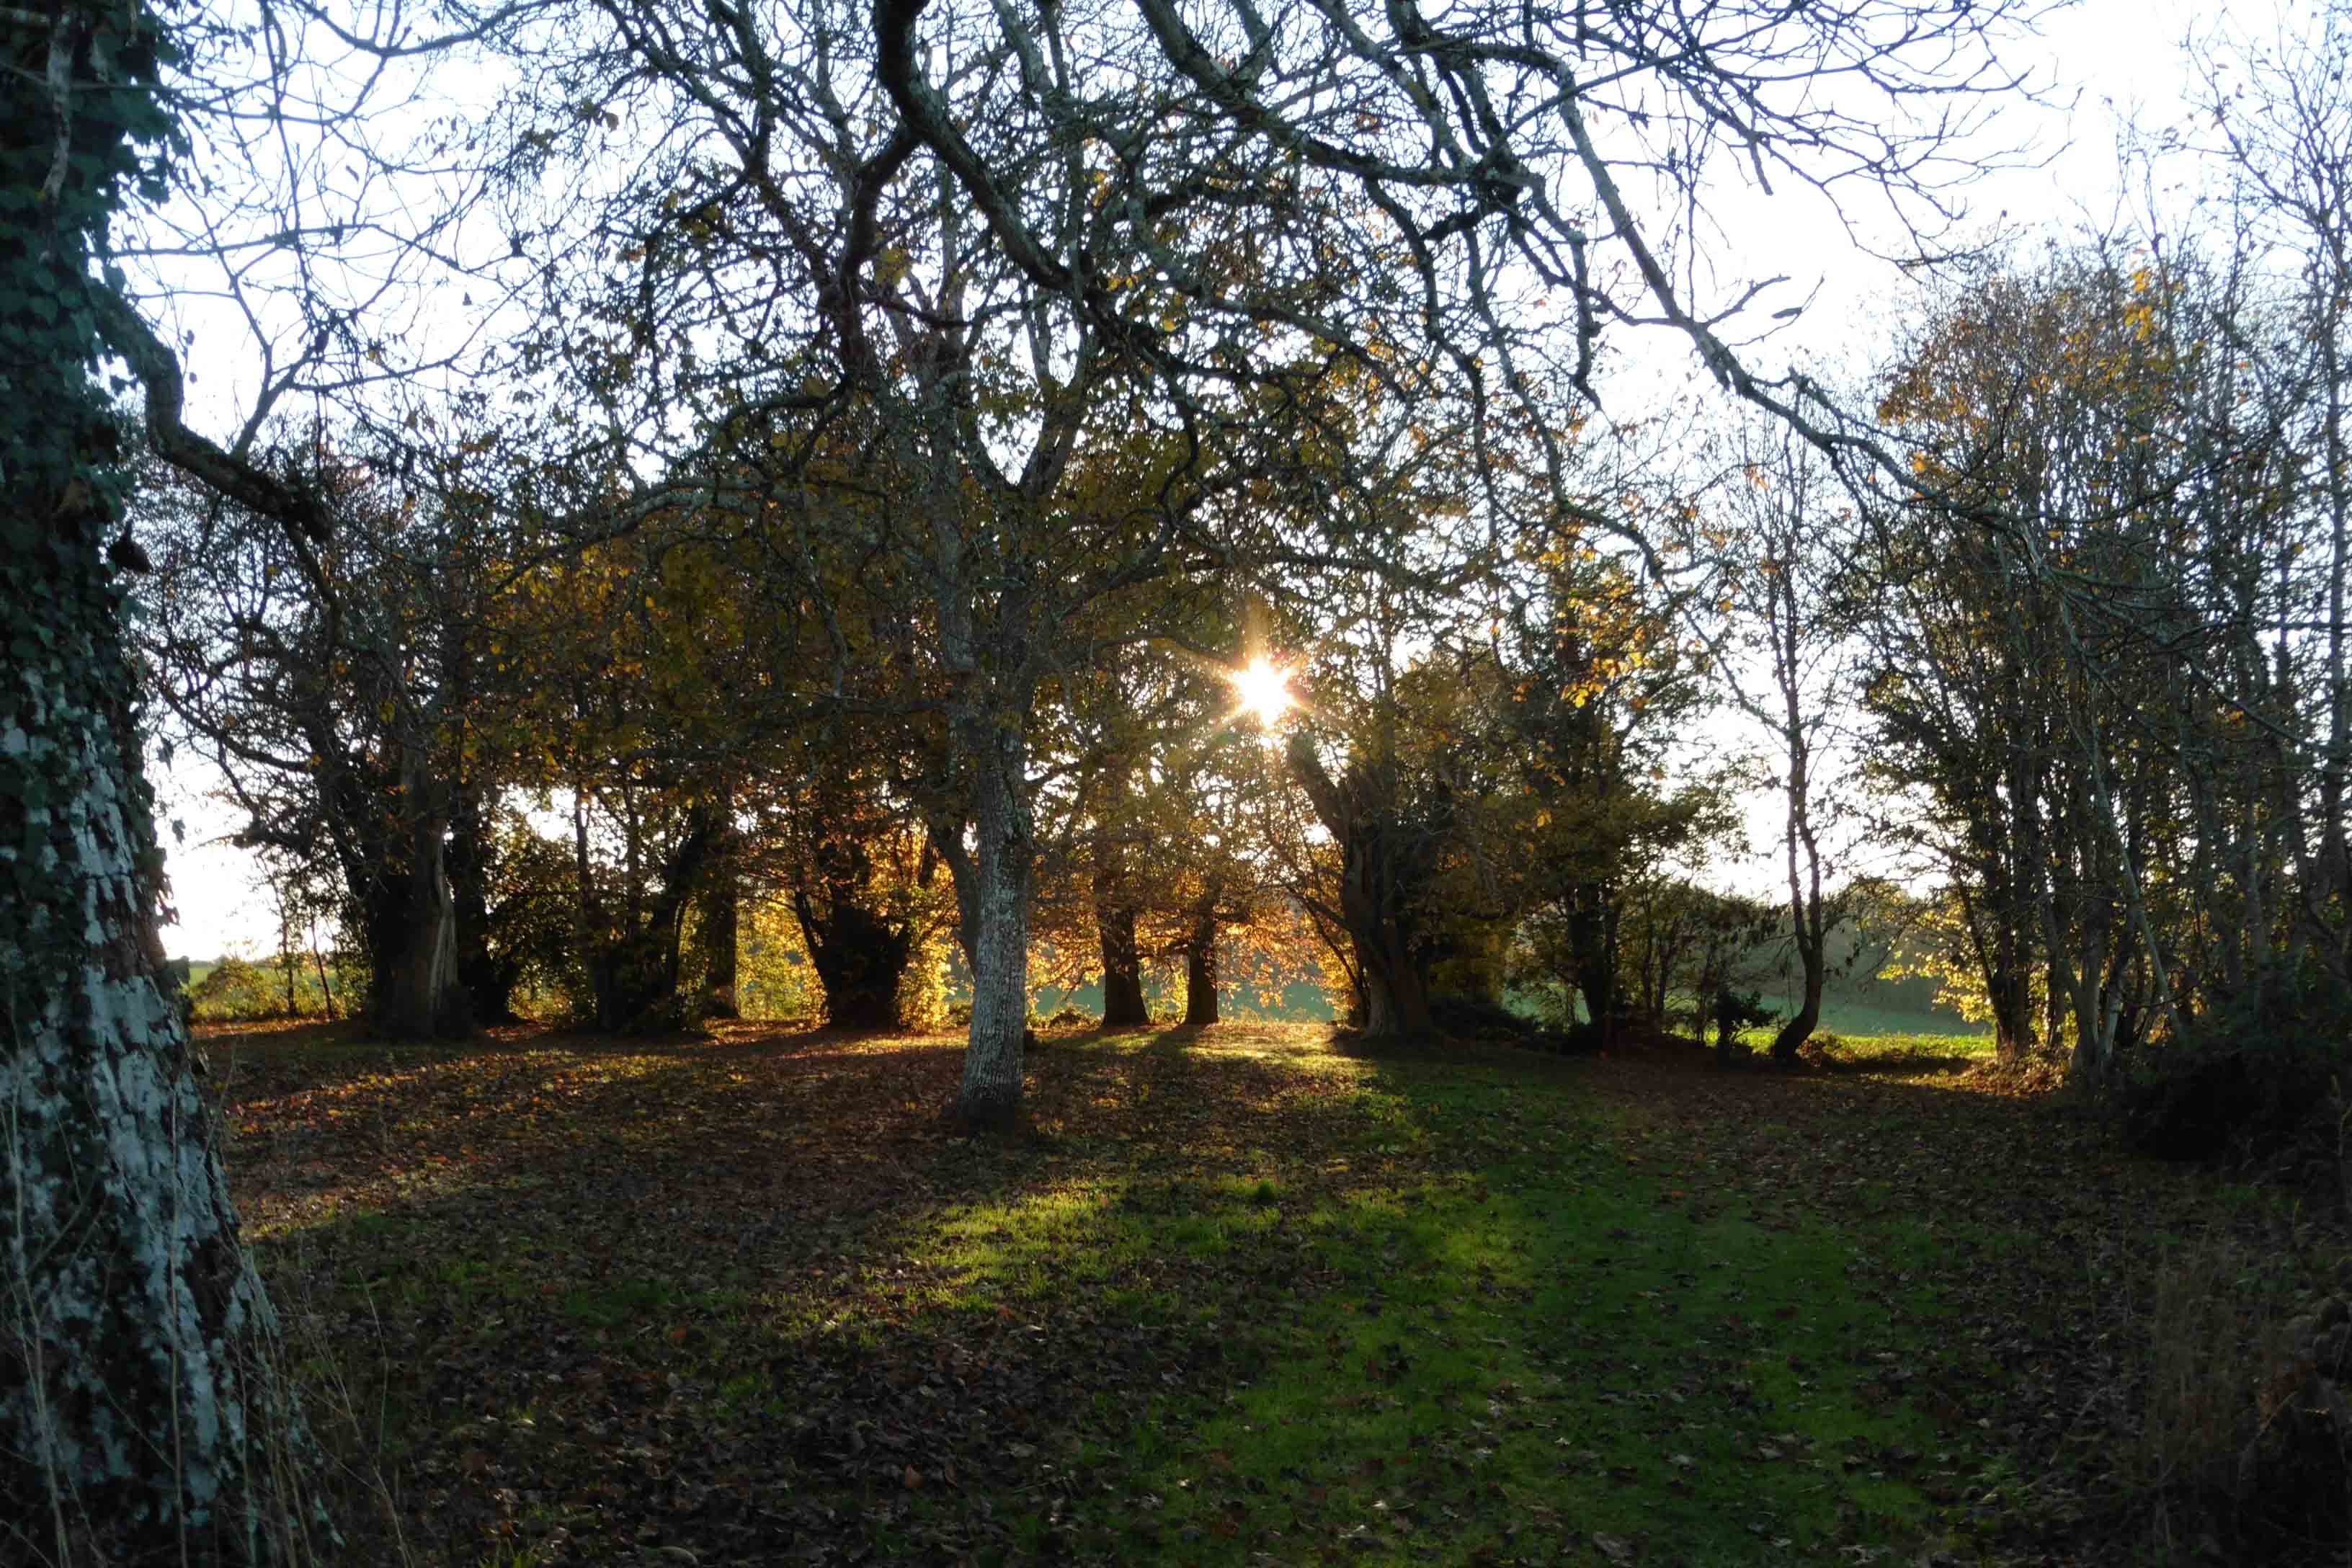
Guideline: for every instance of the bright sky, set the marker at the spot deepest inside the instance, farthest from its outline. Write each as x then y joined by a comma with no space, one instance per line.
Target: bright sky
2123,55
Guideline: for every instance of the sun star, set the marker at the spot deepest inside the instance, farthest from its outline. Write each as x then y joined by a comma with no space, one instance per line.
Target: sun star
1262,688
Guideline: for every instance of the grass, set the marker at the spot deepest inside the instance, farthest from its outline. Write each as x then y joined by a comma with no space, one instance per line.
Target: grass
1553,1335
1235,1298
1865,1021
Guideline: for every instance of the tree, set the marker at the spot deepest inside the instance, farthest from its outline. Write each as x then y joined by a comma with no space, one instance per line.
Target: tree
1392,817
987,258
142,1417
2096,703
2283,131
862,879
1784,562
329,682
1594,685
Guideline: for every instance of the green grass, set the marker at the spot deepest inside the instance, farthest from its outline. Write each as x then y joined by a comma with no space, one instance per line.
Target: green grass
1554,1340
1864,1021
1235,1297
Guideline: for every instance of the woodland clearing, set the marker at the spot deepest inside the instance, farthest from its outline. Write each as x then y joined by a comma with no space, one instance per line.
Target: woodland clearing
1233,1296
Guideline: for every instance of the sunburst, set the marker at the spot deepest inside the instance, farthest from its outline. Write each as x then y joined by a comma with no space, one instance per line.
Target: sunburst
1261,690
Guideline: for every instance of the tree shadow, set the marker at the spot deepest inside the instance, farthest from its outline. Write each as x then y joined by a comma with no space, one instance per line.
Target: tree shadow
691,1291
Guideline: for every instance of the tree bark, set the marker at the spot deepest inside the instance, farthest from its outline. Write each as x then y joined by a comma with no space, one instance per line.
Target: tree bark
1201,973
1122,961
993,876
142,1417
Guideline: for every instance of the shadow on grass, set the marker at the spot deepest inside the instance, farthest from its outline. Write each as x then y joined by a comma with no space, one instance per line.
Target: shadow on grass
1238,1293
1242,1294
541,1258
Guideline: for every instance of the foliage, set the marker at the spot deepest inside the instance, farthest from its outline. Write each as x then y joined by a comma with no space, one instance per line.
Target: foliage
238,990
2257,1084
773,981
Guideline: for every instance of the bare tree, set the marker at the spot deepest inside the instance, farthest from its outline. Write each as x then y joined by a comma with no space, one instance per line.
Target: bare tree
1785,536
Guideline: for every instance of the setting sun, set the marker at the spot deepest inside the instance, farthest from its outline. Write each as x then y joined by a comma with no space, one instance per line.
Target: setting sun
1263,690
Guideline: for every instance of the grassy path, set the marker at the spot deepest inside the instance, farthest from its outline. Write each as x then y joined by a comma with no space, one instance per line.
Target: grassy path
1238,1299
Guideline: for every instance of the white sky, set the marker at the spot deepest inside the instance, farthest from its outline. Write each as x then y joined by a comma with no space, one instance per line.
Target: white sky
2122,55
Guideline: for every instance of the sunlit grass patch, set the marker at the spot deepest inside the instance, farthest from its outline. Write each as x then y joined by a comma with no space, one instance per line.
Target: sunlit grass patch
1232,1297
1514,1357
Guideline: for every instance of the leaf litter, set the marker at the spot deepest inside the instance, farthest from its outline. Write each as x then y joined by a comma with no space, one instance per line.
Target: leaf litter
1229,1297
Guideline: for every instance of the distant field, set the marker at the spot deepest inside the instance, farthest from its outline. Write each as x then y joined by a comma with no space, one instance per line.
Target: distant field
1302,1003
1858,1017
1305,1003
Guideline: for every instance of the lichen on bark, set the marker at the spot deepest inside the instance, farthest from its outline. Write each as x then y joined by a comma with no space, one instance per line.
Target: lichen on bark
142,1416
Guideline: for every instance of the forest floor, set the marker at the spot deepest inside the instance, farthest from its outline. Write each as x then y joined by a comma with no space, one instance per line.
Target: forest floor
1238,1296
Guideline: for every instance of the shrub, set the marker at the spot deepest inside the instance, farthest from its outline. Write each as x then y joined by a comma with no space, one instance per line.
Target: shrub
2243,1433
1476,1018
923,989
239,990
2257,1085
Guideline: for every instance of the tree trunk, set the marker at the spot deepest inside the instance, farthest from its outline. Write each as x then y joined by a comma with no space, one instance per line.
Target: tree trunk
414,952
2011,991
1800,1028
1811,931
326,987
1809,922
1396,998
1114,906
860,956
142,1413
1380,878
2000,958
720,932
637,975
1123,1003
1592,948
1201,973
718,922
488,976
993,878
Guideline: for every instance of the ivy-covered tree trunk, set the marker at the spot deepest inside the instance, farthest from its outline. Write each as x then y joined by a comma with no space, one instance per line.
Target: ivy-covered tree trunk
139,1405
142,1416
